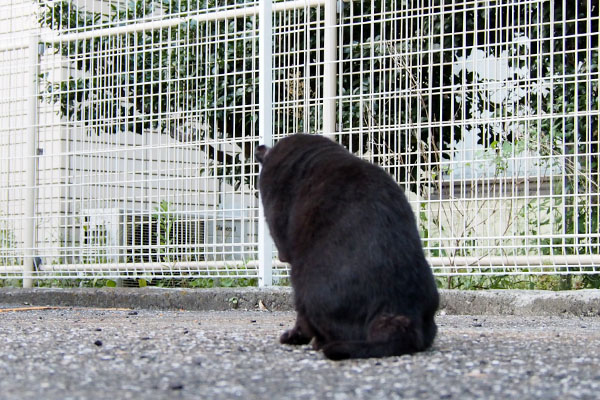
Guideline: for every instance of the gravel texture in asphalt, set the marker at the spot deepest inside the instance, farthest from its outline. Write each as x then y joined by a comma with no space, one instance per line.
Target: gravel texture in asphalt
79,353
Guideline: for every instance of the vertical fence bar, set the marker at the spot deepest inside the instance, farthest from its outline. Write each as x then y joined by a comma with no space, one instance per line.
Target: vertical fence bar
329,69
265,123
30,173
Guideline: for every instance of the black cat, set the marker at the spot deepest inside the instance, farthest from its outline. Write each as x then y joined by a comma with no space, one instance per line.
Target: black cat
361,283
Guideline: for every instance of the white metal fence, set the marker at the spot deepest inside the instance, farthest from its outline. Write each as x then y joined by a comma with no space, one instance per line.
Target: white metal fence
127,128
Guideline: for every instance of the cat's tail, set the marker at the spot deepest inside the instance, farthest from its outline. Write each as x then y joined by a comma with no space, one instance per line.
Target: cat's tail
389,335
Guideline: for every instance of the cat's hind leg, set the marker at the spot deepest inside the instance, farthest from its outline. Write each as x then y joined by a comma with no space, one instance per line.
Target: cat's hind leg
389,335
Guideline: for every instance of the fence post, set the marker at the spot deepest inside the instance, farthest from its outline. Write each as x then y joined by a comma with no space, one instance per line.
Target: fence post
265,126
31,157
329,72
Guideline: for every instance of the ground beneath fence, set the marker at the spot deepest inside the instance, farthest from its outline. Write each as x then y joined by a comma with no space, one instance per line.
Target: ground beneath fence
58,353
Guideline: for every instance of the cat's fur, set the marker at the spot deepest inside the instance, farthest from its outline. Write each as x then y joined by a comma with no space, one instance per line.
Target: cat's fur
361,283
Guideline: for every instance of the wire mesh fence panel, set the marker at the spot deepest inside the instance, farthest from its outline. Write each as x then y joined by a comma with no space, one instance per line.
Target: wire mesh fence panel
17,125
147,117
487,113
127,129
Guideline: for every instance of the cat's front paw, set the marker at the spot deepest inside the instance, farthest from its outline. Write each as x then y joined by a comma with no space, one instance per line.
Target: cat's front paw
294,336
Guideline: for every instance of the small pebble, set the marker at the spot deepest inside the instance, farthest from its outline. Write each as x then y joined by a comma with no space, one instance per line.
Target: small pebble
197,361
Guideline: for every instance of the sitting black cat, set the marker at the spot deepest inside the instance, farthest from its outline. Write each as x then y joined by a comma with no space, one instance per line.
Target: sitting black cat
361,283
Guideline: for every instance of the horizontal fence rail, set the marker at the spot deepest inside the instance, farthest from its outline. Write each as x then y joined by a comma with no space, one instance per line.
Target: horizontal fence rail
127,131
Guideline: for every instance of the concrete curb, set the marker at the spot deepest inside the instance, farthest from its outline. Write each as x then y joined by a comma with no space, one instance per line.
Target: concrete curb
217,299
457,302
584,303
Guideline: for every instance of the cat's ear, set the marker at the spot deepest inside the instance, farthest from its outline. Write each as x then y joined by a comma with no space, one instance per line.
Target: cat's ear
260,153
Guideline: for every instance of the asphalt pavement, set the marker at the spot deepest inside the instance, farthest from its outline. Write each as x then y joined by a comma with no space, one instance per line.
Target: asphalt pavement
92,353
